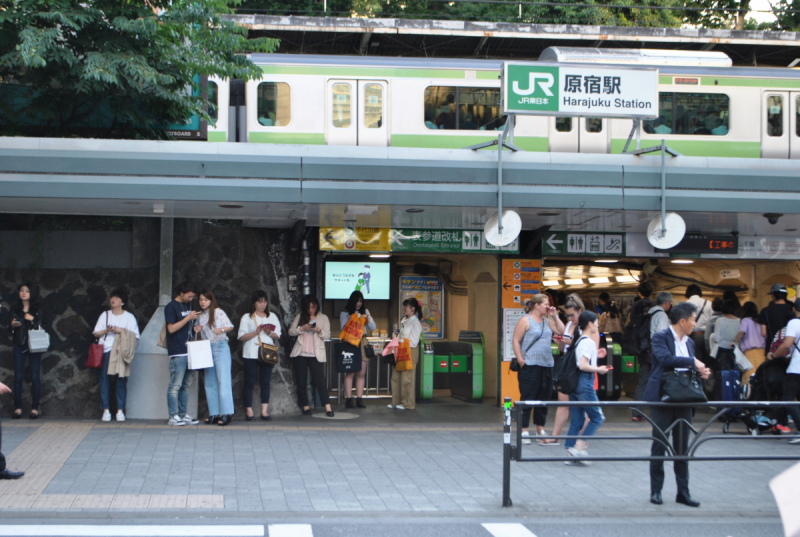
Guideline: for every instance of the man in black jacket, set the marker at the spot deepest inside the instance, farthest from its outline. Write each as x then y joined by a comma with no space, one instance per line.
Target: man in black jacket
639,309
672,349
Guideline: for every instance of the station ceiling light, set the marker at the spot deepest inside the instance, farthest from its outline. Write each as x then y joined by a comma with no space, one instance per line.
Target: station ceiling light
682,261
574,282
550,283
626,279
380,255
598,280
605,261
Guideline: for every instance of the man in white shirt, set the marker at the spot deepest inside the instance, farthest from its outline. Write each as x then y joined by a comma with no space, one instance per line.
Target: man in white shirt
694,295
791,382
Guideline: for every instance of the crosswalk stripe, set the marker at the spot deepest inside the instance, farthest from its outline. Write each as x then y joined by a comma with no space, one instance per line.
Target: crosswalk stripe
132,531
508,530
290,530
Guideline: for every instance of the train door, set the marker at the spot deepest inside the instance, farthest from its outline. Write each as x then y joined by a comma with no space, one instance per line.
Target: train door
794,133
578,135
356,112
775,124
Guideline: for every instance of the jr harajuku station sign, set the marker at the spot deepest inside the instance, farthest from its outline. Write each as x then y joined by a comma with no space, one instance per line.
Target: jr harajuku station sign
584,90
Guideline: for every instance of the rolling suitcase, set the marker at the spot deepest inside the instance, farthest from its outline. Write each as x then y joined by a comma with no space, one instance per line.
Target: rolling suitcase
728,387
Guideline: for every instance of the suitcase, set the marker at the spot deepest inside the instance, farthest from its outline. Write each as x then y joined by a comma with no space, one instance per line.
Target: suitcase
728,387
609,386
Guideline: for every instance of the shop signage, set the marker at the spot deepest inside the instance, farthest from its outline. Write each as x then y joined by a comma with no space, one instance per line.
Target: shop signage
429,291
705,244
522,278
414,240
549,89
732,274
564,243
510,318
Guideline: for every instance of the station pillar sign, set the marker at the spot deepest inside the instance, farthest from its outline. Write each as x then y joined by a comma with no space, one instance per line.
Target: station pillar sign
579,90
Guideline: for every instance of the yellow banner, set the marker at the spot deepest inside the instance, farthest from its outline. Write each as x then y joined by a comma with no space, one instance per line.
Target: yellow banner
354,239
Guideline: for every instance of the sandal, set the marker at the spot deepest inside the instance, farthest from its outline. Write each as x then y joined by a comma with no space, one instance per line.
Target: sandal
549,442
16,415
224,420
34,415
211,420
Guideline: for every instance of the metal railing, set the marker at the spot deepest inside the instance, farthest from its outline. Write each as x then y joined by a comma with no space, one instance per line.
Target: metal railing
514,451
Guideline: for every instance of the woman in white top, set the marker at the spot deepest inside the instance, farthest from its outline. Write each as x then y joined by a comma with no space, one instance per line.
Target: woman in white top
312,328
111,323
214,325
573,308
356,305
260,324
726,335
404,396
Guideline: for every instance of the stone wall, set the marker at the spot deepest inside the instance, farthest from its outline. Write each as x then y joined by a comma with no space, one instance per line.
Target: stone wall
233,261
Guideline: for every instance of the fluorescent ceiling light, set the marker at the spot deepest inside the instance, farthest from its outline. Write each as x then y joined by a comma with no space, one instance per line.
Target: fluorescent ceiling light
361,209
626,279
598,280
605,261
682,261
550,283
380,255
574,282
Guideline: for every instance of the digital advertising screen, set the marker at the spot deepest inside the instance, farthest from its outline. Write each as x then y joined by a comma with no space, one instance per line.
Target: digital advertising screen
342,278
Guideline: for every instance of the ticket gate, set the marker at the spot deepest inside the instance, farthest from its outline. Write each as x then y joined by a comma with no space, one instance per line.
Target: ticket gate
454,365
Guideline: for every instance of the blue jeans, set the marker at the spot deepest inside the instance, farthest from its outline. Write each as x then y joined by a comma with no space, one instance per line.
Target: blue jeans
105,386
20,353
180,379
585,392
219,387
254,369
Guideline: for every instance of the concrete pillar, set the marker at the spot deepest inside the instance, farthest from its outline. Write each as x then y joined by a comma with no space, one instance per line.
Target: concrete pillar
147,385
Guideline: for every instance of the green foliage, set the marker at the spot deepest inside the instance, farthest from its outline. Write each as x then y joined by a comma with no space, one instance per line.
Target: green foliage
787,21
732,13
129,61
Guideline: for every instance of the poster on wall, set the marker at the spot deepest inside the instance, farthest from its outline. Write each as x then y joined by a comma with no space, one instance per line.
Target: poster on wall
429,291
511,317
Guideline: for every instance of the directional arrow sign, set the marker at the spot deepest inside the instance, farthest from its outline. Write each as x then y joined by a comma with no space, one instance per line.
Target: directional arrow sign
551,242
506,286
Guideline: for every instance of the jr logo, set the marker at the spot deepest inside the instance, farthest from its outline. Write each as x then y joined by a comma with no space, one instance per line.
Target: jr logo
546,85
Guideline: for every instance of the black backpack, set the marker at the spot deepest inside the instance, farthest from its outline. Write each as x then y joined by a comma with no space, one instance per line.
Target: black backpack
566,373
636,337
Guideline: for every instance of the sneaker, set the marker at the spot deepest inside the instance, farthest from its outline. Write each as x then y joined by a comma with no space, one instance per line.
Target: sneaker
389,406
795,440
399,407
106,416
781,429
120,415
176,421
526,440
188,420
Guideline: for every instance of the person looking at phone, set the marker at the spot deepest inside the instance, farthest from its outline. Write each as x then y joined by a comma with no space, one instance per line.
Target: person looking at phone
213,325
258,325
532,351
180,317
312,328
26,314
586,357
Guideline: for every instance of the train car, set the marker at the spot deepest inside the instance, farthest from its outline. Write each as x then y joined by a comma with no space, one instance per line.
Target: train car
706,107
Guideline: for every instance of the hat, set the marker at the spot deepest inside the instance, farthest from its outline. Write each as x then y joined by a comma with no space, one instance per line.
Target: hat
796,304
777,288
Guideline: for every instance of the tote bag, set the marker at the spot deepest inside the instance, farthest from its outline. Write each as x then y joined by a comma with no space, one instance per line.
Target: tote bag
353,331
200,354
403,356
348,358
96,351
38,341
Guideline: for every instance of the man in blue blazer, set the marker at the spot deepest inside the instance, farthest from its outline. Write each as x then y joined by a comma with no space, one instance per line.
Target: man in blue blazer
672,349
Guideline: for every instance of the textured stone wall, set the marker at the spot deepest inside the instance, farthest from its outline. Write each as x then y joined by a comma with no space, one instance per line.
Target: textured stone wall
232,261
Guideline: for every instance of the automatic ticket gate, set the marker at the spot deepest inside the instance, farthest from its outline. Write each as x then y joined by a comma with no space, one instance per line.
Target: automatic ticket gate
454,365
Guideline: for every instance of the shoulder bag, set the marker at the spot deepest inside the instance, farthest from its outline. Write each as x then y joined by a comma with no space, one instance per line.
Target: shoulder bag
95,358
682,387
267,354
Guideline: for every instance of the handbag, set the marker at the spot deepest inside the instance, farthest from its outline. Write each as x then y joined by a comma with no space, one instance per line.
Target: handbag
353,330
38,340
162,337
741,360
267,354
96,351
348,358
403,356
200,354
682,387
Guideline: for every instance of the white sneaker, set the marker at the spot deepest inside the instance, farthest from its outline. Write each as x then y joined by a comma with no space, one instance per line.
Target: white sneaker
526,440
399,407
120,415
176,421
795,440
188,420
106,416
389,406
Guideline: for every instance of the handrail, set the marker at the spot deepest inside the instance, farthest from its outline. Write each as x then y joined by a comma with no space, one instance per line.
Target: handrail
514,451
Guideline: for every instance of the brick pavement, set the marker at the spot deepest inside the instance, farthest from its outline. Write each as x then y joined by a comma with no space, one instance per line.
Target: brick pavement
441,458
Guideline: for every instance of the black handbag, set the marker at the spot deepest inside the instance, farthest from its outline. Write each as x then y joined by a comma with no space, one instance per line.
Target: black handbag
388,359
682,387
348,358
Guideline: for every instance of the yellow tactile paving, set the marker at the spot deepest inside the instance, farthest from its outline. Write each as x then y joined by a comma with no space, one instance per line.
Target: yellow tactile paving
51,502
205,501
168,501
130,501
92,501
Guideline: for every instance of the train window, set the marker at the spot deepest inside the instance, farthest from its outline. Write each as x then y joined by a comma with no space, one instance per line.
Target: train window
594,124
775,116
454,108
564,124
341,105
274,104
213,102
373,106
690,113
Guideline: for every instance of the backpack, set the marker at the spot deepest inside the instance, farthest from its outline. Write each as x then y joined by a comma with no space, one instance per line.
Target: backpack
636,337
567,373
777,340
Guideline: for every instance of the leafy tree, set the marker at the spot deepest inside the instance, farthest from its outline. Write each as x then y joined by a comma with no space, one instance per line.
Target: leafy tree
122,67
786,21
731,14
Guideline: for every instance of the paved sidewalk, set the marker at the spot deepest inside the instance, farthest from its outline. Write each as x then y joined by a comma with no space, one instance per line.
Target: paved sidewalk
442,458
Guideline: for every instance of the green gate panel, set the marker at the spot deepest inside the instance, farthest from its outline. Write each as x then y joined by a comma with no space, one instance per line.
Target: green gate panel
425,370
459,364
441,363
